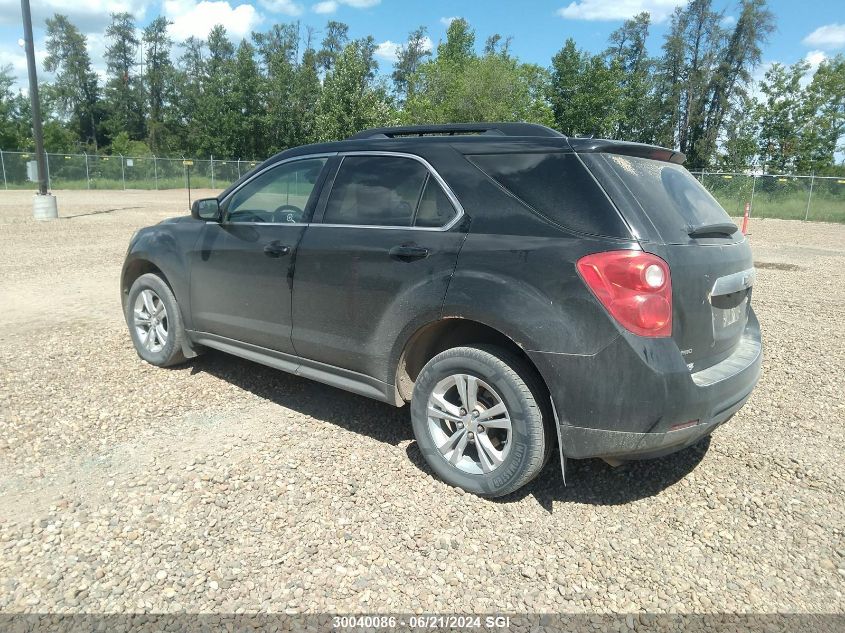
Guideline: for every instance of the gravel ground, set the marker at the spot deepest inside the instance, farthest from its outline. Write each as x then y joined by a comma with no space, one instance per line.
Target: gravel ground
224,486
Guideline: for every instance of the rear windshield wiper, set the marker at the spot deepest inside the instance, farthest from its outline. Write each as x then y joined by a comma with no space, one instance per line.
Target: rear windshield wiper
709,230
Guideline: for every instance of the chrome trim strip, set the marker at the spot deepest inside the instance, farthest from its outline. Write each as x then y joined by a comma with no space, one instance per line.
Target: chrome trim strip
447,190
734,282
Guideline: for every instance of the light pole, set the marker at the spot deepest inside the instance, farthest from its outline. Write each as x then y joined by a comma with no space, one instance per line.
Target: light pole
44,204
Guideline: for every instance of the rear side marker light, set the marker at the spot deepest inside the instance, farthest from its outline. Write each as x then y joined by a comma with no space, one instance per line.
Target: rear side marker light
634,287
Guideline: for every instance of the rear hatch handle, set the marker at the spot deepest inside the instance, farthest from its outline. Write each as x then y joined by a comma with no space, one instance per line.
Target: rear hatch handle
706,230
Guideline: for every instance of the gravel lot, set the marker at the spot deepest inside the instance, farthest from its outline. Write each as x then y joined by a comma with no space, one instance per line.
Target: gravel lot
224,486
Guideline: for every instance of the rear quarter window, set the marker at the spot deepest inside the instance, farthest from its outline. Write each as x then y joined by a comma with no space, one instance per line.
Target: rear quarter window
556,186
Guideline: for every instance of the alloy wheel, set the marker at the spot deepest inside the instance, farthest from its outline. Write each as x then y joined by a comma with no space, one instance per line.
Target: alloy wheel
150,320
469,423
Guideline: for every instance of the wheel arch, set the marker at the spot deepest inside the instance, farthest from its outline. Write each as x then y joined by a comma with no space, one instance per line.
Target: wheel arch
134,269
437,336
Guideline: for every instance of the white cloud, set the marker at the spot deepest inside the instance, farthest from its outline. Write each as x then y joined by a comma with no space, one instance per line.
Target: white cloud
728,20
618,9
13,55
288,7
330,6
448,21
814,59
191,18
829,36
389,51
88,15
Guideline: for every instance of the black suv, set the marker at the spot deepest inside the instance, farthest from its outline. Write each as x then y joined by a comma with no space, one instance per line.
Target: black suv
519,288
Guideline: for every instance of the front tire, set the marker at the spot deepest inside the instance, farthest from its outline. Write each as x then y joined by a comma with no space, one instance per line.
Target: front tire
478,422
155,323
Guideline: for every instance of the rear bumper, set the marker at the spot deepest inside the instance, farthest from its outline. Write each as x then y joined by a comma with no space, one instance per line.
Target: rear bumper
624,401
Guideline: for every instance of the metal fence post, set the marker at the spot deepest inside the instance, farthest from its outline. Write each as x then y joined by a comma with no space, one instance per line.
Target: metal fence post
3,163
155,171
753,185
810,196
239,169
87,176
47,161
212,171
185,174
123,172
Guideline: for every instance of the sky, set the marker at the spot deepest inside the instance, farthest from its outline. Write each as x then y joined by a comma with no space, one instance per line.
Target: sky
538,27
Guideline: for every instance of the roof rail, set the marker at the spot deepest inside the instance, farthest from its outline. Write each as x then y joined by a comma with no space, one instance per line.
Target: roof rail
454,129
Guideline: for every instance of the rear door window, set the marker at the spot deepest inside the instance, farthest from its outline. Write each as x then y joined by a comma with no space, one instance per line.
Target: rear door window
557,186
376,191
674,201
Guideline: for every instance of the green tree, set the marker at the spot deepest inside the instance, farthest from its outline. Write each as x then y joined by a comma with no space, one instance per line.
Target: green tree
628,49
781,120
410,56
124,88
350,100
337,36
305,96
277,49
189,95
247,101
160,78
739,147
76,83
823,110
9,128
585,92
459,45
731,73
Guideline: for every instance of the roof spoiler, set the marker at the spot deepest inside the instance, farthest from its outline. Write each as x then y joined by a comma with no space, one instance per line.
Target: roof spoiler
625,148
455,129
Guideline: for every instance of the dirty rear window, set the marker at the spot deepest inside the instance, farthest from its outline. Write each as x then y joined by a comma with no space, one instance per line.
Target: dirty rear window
670,196
557,186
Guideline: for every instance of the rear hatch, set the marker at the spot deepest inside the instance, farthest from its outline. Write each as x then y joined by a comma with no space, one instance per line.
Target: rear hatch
710,262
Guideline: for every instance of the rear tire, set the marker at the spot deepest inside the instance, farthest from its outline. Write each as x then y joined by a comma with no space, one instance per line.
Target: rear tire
155,322
478,420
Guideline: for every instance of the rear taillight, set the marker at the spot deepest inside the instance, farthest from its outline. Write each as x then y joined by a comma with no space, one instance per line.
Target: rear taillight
635,287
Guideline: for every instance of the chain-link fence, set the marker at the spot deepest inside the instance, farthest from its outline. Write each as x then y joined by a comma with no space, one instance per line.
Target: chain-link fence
91,171
790,197
820,198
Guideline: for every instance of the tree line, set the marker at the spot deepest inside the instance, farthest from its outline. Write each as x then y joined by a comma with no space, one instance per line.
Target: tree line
282,87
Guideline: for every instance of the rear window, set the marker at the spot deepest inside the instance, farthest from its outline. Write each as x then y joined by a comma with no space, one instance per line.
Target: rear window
556,186
670,196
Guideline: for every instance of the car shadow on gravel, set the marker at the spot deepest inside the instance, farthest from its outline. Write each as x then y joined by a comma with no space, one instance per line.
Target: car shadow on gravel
589,481
347,410
594,482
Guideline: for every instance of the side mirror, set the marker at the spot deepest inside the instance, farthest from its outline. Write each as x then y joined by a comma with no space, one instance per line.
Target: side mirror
207,209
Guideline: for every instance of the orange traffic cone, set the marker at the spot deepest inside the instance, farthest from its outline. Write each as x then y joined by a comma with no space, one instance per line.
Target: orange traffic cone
745,218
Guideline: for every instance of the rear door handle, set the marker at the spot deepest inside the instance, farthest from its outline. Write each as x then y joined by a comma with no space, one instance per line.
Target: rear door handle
276,249
408,252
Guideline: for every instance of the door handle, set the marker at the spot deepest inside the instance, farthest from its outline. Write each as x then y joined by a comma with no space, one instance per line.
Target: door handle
408,252
276,249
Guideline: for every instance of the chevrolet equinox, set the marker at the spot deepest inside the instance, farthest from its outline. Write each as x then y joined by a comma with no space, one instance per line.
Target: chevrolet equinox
521,289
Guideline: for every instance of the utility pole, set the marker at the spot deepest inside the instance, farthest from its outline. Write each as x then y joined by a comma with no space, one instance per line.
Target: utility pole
44,204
